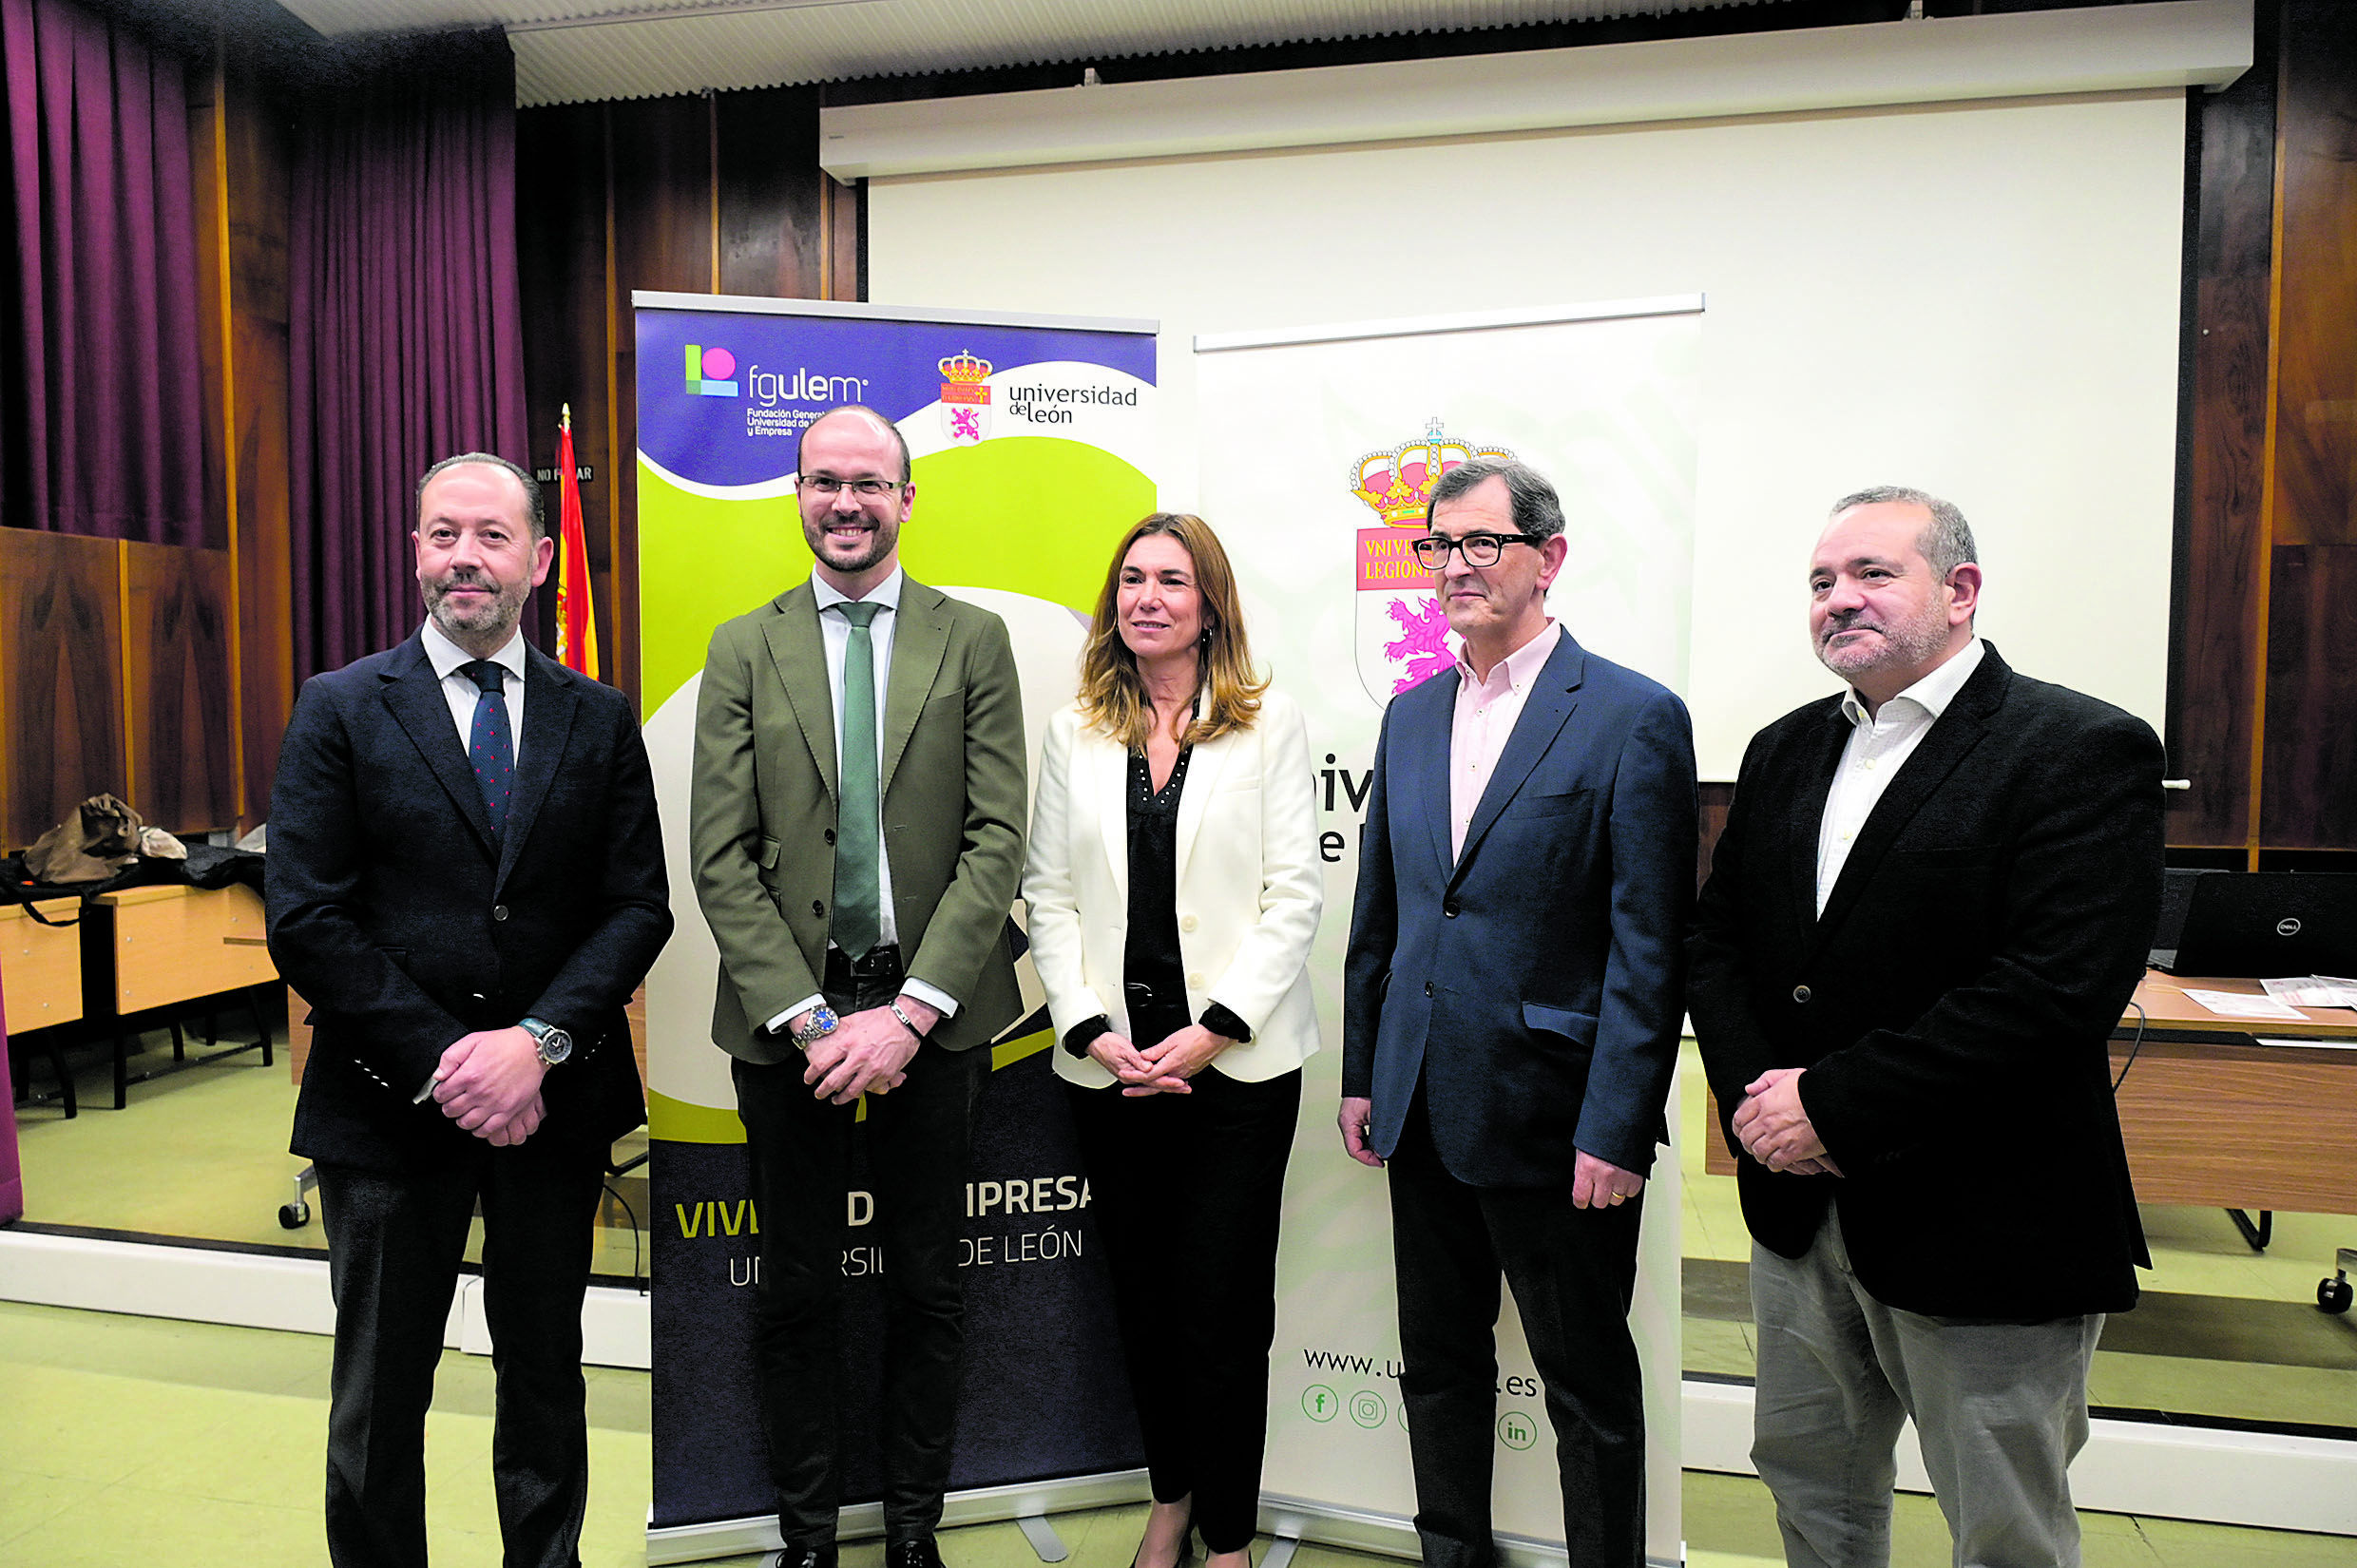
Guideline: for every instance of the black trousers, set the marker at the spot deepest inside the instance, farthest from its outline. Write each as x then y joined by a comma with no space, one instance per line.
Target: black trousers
395,1244
1187,1189
918,1135
1572,1271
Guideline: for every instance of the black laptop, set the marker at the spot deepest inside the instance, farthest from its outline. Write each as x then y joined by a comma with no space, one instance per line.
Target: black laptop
2264,924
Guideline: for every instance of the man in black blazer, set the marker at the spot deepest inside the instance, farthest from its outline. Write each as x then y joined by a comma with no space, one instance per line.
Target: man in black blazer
1933,895
465,882
1511,1016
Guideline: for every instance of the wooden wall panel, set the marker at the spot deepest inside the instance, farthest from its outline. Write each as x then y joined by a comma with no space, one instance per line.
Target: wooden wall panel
180,691
771,209
561,239
1716,799
61,677
2309,744
2214,643
2316,366
256,166
663,201
2311,689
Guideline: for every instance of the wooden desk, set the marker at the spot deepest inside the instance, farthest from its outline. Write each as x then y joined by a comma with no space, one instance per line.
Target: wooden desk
2215,1121
158,946
150,949
2214,1118
41,980
40,965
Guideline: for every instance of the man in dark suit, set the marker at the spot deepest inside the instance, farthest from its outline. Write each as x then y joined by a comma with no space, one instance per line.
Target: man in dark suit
1511,1015
857,833
1933,895
465,882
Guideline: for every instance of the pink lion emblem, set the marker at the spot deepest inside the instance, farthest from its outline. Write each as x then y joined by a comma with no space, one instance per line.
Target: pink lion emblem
1424,643
965,424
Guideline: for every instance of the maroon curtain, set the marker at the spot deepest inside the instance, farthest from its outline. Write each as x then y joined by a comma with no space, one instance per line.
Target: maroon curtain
100,391
404,318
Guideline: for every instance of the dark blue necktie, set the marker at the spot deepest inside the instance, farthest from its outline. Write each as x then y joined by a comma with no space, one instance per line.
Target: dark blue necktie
487,744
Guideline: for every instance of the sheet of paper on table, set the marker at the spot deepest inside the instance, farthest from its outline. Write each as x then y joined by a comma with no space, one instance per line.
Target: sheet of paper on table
2314,990
2234,1004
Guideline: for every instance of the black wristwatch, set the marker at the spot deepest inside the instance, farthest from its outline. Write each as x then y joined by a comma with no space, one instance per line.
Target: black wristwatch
554,1045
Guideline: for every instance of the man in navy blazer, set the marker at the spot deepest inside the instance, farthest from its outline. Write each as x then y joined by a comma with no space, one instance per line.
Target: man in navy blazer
1512,1012
1932,897
465,882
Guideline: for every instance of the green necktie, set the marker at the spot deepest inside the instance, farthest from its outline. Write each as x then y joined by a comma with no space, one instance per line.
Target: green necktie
859,922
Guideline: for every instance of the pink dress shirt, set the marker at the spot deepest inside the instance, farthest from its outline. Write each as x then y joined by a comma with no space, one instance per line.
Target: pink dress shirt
1485,714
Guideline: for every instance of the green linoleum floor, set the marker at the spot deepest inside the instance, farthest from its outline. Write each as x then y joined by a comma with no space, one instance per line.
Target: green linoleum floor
130,1440
2226,1333
201,1153
2222,1331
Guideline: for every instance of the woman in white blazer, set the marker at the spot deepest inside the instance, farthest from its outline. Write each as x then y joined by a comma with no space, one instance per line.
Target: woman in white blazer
1174,886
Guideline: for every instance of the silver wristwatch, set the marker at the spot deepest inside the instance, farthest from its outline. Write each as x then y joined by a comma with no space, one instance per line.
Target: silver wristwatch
554,1045
819,1024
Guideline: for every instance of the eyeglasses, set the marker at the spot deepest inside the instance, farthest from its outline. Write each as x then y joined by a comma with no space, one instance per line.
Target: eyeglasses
1479,549
826,484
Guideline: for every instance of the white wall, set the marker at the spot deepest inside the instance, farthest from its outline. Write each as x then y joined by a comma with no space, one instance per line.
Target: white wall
1980,300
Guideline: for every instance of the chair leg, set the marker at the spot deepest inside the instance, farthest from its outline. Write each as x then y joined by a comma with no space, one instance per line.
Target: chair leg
64,1082
180,1043
262,1020
122,1071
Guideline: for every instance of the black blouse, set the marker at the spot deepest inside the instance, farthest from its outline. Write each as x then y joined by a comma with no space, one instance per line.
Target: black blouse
1153,975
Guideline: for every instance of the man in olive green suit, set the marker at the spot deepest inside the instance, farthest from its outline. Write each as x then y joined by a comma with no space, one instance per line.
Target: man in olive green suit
857,834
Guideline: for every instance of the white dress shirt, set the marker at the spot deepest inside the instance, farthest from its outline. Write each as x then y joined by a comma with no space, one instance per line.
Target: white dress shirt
835,633
1484,722
1878,747
445,656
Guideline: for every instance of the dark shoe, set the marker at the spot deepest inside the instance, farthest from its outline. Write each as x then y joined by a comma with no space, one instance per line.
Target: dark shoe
920,1553
808,1555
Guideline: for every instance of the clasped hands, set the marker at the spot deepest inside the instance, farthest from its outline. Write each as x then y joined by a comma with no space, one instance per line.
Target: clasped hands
1774,1126
488,1082
868,1053
1162,1069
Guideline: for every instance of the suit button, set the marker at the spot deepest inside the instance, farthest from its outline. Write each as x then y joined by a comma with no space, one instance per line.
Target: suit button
499,911
1186,923
829,835
819,907
1427,987
1800,993
1449,907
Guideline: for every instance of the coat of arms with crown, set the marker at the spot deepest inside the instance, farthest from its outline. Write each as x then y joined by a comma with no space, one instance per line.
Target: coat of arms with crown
1403,632
964,398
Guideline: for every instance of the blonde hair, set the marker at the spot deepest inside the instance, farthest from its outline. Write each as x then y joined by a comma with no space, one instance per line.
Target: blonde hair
1113,694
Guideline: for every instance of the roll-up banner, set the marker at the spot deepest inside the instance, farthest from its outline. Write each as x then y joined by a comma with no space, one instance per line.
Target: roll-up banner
1031,442
1316,449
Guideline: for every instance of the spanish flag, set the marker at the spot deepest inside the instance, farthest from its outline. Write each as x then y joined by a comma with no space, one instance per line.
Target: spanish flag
576,626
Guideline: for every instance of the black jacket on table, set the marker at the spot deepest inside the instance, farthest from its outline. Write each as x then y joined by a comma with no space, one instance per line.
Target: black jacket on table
404,925
1954,1003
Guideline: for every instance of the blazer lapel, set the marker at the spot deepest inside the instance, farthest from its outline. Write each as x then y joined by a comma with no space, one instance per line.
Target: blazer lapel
1211,759
550,700
1106,790
1944,748
415,699
1554,697
799,657
919,642
1420,750
1804,824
